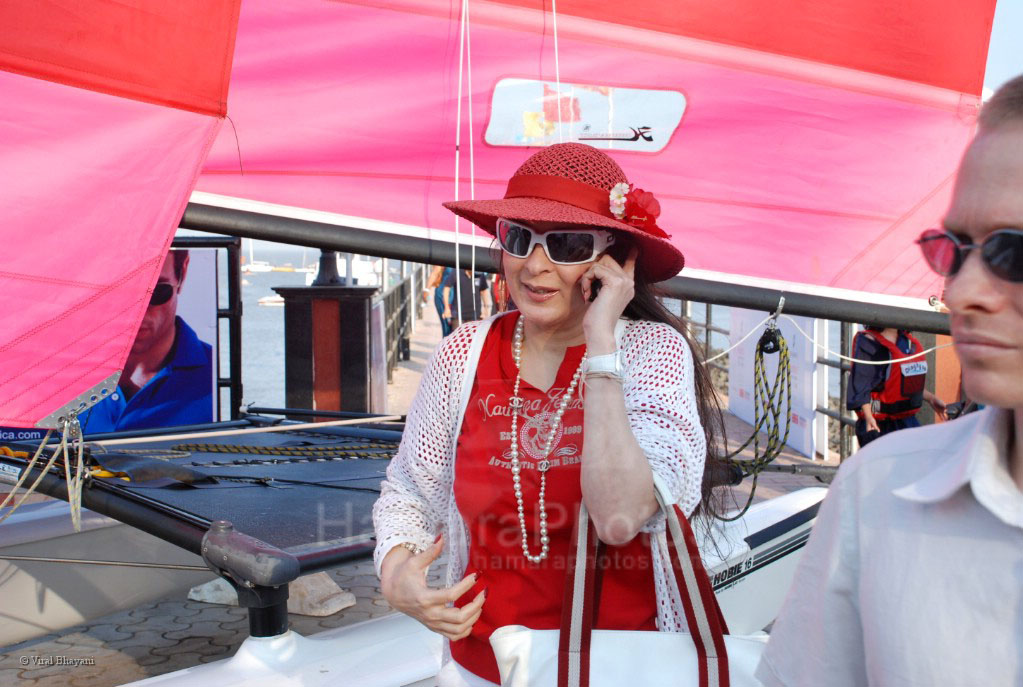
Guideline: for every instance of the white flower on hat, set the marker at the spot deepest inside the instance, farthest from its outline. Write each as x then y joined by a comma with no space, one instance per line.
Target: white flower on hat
617,199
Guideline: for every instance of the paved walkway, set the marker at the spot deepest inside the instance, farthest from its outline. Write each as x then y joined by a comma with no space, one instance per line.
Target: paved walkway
176,633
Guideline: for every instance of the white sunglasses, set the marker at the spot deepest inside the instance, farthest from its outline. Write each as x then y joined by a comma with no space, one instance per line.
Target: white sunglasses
562,246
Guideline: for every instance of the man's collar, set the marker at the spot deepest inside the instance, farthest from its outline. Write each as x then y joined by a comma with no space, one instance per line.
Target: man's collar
187,350
978,459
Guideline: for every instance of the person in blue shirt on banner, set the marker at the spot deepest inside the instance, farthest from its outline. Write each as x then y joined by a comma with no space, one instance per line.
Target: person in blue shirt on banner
168,377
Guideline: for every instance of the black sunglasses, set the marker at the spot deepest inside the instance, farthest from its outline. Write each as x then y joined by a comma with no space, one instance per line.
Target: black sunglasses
162,293
1001,251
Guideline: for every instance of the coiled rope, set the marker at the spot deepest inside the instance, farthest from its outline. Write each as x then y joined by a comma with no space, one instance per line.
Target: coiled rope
768,409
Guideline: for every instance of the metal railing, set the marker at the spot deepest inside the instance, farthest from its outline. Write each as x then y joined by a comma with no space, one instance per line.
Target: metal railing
399,304
702,331
708,328
439,252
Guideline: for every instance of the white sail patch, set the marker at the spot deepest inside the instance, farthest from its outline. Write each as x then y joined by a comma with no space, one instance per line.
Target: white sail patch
530,113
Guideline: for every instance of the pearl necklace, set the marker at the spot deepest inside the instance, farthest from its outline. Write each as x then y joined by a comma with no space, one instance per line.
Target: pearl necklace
516,405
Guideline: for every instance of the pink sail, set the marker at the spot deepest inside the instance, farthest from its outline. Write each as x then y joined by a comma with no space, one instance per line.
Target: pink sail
807,144
90,205
108,116
814,147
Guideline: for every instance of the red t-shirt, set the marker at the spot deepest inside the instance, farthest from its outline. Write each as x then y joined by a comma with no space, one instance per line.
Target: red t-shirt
518,591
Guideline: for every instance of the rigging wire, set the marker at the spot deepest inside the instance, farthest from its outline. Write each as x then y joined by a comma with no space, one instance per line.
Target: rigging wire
458,152
24,475
557,68
858,361
72,428
472,155
91,561
821,346
249,430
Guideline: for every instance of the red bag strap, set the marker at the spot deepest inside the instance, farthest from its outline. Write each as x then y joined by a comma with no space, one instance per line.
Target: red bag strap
578,611
704,618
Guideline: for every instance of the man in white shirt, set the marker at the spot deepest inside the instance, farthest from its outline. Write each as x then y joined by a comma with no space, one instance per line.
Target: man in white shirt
914,572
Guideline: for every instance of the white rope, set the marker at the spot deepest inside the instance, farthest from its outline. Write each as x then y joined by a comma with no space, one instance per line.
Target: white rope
24,476
73,482
252,430
857,360
557,67
821,346
70,427
750,333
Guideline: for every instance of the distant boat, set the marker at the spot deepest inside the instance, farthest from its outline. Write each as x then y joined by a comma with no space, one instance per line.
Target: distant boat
257,266
274,300
253,265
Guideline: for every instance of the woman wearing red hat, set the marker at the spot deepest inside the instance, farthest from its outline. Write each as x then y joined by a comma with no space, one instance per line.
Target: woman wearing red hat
589,391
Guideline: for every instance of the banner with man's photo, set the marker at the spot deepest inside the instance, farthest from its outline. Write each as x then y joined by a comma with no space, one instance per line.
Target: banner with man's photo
170,376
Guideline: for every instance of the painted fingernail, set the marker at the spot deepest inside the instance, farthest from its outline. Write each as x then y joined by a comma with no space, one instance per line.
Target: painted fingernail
438,537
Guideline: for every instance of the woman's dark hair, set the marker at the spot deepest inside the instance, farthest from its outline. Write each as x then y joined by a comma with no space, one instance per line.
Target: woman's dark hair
646,304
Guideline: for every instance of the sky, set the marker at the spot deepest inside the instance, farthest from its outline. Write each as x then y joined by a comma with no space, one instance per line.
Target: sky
1005,54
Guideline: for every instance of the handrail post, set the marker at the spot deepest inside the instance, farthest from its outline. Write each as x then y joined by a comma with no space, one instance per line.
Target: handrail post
844,440
706,330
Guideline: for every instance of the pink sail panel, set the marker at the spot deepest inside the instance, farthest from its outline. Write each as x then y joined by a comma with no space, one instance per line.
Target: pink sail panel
171,53
780,168
938,42
93,187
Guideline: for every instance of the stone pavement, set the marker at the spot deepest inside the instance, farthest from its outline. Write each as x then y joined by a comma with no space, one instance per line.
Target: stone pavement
168,635
172,634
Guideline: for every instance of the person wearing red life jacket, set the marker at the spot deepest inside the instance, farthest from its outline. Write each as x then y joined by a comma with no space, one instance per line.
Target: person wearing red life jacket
888,397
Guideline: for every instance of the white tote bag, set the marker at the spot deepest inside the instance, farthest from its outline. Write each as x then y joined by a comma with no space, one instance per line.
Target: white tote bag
579,656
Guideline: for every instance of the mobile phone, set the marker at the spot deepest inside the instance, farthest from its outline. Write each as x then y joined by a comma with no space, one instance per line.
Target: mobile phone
594,289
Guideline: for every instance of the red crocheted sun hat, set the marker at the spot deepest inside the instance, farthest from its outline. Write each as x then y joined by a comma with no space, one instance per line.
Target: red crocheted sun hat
576,184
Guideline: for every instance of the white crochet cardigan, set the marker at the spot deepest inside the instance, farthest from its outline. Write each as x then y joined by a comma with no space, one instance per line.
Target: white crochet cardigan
417,500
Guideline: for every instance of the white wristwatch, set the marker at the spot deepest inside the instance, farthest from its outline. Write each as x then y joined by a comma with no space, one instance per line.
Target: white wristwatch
608,365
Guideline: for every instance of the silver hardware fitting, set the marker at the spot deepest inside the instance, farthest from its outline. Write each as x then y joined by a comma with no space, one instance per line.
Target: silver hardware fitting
773,322
80,403
72,428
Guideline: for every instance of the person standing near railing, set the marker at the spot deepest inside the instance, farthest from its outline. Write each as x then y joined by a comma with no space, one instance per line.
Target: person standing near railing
887,398
475,298
436,282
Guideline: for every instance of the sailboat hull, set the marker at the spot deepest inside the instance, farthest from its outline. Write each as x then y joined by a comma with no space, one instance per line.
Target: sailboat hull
760,553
